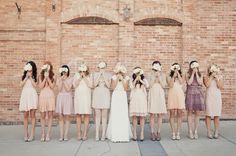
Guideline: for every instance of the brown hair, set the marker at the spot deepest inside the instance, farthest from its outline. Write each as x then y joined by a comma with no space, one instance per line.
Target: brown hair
51,74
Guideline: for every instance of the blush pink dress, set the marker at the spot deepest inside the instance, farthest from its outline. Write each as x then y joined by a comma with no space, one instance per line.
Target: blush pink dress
176,98
47,99
64,103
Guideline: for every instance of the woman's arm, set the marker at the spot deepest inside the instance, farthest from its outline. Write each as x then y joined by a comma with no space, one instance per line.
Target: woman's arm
42,82
50,83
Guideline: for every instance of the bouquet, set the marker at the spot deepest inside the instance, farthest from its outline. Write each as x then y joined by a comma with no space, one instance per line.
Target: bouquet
63,69
83,68
157,67
214,68
138,71
175,67
120,68
194,65
46,68
102,65
27,67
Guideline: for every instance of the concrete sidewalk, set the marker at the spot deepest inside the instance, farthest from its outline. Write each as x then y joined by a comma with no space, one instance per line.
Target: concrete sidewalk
12,144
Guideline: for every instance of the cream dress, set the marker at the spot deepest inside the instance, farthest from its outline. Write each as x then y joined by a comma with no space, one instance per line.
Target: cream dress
156,96
29,97
101,93
82,97
138,99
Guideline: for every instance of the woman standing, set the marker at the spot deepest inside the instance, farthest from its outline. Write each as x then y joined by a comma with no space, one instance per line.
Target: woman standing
119,129
194,97
138,100
64,106
156,99
29,98
176,103
101,98
214,84
46,98
82,99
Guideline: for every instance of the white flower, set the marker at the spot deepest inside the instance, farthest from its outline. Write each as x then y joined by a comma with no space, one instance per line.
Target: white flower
102,65
63,69
83,68
194,65
157,67
46,67
214,68
27,67
119,68
138,71
174,67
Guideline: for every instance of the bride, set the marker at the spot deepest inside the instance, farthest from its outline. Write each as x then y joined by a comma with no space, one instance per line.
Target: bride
119,129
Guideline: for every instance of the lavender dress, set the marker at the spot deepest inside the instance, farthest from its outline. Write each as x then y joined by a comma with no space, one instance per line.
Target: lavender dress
194,97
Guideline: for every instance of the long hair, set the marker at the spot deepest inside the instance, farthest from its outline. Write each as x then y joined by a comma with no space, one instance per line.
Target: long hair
34,71
65,66
134,77
190,70
172,72
51,74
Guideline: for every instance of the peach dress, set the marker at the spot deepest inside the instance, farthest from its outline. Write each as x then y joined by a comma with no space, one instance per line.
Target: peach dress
176,98
47,99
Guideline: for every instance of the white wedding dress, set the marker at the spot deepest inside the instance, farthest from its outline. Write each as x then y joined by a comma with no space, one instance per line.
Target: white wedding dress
119,129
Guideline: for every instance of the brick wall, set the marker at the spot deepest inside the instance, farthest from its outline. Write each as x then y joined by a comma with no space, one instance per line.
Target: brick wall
207,34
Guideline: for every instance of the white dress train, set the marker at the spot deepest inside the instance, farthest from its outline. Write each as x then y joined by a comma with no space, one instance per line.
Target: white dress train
119,129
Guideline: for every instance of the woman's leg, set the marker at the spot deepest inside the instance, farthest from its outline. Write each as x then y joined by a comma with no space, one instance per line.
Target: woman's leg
190,131
67,125
152,122
86,126
26,124
159,124
104,123
50,116
172,122
142,123
196,123
98,121
134,127
78,121
216,124
179,122
61,124
208,125
42,121
33,121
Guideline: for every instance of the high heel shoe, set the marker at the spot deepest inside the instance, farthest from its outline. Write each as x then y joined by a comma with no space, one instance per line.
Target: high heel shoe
47,138
209,135
158,138
153,136
216,135
178,136
173,136
191,135
141,137
195,135
26,139
31,138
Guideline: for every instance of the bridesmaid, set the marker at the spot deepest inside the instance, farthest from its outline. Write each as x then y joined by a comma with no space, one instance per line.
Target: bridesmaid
82,100
214,84
29,98
194,97
156,99
101,98
46,98
64,105
138,100
176,103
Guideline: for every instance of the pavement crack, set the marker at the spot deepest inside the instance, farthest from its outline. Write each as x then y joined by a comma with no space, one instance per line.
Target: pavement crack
232,142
